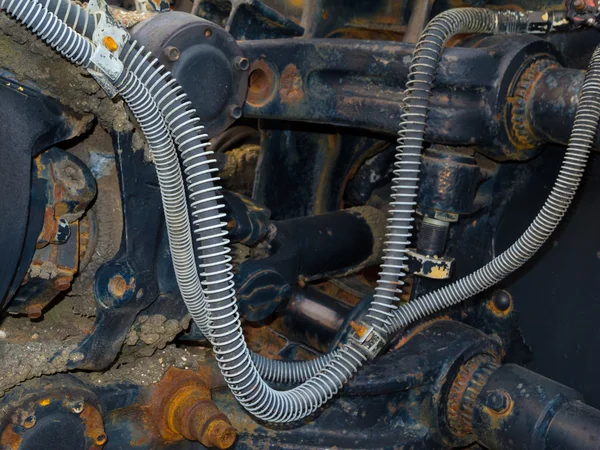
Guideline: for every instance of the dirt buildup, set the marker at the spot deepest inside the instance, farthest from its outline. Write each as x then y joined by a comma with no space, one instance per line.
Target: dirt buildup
240,168
21,362
154,332
145,371
32,63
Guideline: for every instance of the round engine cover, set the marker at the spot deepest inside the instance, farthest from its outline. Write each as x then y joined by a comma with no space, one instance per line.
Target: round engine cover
205,60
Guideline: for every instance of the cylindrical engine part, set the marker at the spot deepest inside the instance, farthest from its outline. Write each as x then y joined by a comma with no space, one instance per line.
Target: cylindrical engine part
520,409
552,104
344,241
314,318
309,248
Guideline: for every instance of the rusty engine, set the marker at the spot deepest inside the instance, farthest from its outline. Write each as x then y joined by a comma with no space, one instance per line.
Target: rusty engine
299,224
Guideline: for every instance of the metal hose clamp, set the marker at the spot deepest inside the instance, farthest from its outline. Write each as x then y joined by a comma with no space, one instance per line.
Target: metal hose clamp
109,38
368,338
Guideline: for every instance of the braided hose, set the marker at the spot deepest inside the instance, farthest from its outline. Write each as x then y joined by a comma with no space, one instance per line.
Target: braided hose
422,72
555,207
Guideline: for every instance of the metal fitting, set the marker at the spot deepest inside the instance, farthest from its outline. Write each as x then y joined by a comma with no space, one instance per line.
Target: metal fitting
182,407
241,63
368,338
109,39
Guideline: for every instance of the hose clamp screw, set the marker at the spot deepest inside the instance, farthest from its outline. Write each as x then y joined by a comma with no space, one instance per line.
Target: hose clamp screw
368,338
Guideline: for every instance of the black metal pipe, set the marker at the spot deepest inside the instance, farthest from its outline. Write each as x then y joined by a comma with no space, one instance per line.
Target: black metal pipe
520,409
348,83
308,248
552,104
313,317
330,243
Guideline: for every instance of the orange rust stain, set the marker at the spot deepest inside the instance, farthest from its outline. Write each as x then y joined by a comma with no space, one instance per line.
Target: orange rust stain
94,427
417,330
340,294
264,341
262,83
359,329
291,85
10,440
118,286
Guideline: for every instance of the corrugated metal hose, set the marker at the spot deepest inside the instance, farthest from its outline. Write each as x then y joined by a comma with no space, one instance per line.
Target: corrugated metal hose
166,118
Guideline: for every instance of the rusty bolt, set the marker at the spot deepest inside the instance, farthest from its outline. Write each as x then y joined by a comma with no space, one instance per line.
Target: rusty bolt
498,401
241,63
62,283
117,286
172,53
29,421
101,439
34,312
221,434
182,408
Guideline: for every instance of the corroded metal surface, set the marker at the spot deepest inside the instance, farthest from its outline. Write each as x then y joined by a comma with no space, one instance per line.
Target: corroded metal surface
182,407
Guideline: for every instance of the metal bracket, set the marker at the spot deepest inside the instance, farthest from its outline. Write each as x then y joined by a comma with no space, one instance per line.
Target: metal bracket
109,38
368,338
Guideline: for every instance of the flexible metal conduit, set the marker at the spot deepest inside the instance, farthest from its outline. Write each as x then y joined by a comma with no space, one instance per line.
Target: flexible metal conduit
165,87
422,72
50,29
225,330
562,193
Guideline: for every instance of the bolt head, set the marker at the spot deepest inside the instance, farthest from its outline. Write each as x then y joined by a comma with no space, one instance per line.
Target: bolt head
34,312
62,283
235,112
502,300
498,401
241,63
172,53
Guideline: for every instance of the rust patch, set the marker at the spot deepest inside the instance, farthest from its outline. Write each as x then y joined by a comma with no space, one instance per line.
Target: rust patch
359,329
118,286
182,407
94,427
291,85
262,83
10,440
